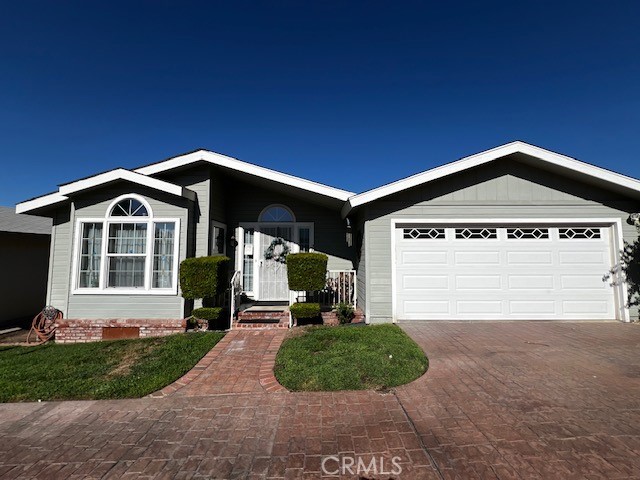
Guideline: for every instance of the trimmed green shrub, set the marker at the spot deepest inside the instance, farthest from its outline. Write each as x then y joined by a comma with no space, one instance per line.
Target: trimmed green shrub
345,313
207,313
203,277
305,310
307,271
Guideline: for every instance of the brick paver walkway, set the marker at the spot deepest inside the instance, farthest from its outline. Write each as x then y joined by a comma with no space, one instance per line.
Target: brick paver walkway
242,362
501,400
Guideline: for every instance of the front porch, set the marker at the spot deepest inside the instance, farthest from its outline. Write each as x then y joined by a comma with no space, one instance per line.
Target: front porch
249,313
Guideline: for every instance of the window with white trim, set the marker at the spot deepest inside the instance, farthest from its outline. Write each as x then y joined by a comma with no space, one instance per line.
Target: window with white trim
129,251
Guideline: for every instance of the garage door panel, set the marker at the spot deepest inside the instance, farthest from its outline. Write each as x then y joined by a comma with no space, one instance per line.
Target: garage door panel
478,282
425,282
530,282
473,307
532,308
418,307
585,307
417,258
530,258
582,258
583,282
477,257
503,277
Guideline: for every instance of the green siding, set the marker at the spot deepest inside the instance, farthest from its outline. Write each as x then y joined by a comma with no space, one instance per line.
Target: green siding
197,179
246,202
60,260
95,205
504,189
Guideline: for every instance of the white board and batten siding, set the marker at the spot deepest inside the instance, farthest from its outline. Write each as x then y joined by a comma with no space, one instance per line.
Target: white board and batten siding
505,271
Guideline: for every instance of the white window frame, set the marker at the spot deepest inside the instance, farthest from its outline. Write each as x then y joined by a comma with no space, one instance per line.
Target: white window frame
150,220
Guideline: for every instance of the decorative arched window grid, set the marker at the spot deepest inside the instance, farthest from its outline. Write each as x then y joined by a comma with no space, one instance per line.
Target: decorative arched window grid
277,213
128,251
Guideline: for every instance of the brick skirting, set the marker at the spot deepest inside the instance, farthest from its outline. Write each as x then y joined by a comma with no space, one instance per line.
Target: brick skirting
90,330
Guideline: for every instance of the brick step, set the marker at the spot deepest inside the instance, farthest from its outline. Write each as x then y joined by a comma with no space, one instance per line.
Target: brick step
258,324
260,315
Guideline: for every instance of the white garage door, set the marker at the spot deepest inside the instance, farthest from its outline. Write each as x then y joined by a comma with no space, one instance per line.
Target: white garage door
509,272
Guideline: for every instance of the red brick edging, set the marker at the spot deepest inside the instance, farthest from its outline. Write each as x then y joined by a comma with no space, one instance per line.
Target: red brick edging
268,380
200,367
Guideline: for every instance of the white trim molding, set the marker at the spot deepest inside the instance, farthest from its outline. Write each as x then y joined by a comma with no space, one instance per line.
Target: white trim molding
617,244
546,156
64,191
39,202
127,175
249,168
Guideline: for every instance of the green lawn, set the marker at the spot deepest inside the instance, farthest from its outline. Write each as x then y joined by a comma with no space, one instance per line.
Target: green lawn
349,358
114,369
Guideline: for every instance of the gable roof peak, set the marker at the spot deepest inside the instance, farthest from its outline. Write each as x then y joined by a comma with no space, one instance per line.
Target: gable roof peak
552,159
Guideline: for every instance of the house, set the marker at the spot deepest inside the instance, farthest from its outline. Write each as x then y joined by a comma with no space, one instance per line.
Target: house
24,256
515,232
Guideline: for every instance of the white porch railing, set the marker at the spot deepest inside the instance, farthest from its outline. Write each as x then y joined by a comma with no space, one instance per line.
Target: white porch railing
341,287
236,293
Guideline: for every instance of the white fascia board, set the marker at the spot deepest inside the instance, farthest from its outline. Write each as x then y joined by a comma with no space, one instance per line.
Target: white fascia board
485,157
248,168
123,174
39,202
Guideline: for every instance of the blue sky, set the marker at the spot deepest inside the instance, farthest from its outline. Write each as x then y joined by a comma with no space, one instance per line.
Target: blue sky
351,94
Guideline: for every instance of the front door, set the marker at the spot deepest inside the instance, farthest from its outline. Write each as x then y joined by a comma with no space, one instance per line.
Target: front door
273,284
266,278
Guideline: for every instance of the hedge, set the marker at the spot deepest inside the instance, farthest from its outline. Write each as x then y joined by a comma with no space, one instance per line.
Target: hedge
307,271
203,277
207,313
305,310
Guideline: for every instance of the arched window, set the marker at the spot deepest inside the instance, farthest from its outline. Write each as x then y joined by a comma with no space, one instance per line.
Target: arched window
276,213
129,250
129,207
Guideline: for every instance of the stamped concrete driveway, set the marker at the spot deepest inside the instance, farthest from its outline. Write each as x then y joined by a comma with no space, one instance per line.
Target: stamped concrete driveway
500,400
529,399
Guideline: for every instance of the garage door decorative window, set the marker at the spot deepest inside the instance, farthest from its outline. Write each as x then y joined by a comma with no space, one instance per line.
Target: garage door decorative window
527,233
420,233
476,233
585,233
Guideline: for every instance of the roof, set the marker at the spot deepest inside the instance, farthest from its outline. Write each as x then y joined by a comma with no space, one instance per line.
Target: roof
145,176
65,190
10,221
549,158
245,167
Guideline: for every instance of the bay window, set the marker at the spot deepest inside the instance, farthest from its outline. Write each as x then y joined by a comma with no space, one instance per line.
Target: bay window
129,251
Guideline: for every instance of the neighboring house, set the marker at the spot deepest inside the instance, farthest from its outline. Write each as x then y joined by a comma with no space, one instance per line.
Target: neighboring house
24,256
516,232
